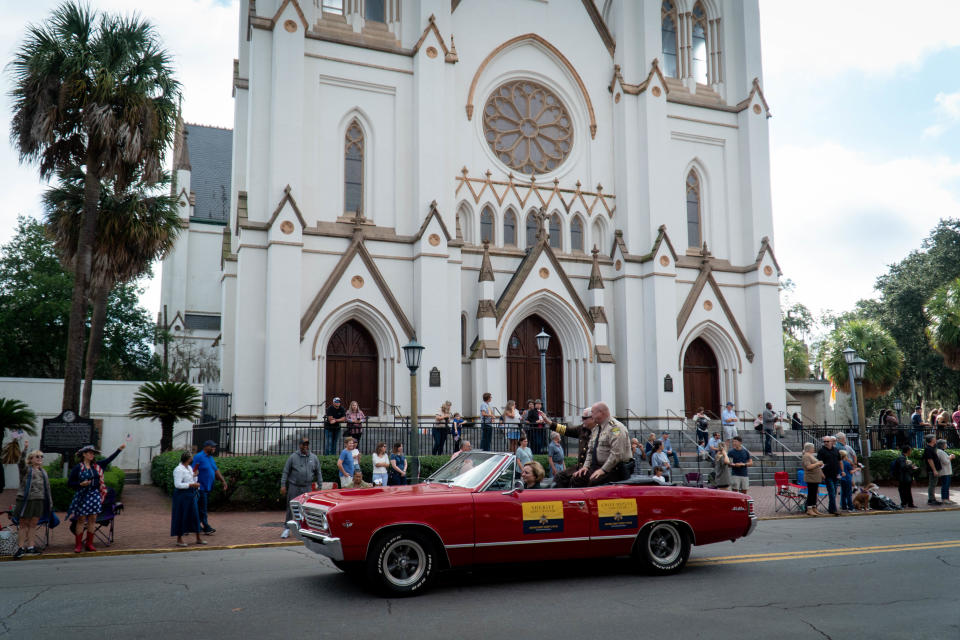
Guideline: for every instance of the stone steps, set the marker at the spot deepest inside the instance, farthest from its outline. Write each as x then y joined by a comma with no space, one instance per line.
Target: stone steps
131,476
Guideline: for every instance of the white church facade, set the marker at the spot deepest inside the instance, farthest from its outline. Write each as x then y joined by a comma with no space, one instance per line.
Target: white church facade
473,172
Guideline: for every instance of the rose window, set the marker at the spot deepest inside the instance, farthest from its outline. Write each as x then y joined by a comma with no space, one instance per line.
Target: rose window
527,127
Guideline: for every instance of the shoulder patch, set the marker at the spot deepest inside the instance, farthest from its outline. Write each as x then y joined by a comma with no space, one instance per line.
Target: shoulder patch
615,431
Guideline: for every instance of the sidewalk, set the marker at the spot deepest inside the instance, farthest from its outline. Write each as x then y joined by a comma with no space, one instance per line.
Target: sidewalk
145,521
145,524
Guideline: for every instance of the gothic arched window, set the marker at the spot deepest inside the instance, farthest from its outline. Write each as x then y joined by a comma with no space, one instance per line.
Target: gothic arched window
693,210
668,34
463,334
576,234
353,169
509,229
486,225
699,52
373,10
556,241
531,229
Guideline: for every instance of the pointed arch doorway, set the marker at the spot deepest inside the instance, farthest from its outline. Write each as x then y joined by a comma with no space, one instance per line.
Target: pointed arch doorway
523,365
701,379
352,370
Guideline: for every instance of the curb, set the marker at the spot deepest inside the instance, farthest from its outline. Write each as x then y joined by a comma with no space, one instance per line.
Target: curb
803,516
137,552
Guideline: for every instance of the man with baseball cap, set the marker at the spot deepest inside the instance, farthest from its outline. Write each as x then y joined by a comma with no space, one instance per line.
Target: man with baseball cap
333,418
206,468
729,419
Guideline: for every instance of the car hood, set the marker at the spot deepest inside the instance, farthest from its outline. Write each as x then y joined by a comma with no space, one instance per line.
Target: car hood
343,496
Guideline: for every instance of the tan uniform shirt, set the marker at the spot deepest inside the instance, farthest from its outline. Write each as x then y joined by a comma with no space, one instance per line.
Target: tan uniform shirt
613,445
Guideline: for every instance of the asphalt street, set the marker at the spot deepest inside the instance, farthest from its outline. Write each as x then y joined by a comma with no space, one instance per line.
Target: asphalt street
894,576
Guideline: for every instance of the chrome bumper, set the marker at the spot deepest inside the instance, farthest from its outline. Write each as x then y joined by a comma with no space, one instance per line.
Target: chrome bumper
753,525
317,542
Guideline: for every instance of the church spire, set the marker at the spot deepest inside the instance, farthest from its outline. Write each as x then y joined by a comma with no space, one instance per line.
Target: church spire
486,269
596,280
181,153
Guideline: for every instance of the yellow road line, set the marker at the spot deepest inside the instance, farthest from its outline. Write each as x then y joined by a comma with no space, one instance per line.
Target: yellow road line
825,553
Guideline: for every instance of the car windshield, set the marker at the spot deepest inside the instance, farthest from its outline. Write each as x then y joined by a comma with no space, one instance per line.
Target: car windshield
468,469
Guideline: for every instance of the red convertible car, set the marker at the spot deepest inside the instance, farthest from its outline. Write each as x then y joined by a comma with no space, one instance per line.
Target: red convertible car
473,510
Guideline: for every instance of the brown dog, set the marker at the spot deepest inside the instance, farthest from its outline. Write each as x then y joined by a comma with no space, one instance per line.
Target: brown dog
861,501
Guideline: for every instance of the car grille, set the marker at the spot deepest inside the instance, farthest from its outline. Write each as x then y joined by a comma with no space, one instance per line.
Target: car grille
316,518
295,510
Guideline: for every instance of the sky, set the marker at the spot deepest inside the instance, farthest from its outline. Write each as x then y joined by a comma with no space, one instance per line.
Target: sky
864,139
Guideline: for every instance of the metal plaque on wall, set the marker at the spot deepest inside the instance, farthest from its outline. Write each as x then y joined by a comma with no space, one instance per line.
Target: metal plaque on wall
434,377
66,433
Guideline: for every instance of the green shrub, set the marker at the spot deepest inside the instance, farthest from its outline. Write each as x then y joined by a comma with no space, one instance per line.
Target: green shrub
881,460
253,482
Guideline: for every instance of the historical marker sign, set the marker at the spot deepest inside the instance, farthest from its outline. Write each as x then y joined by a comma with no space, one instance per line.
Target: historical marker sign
434,377
66,433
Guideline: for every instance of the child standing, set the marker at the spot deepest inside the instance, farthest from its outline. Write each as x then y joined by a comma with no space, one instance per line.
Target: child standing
456,428
846,482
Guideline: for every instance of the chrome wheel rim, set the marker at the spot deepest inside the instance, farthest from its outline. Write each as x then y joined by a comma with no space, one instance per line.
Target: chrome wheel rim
404,562
664,544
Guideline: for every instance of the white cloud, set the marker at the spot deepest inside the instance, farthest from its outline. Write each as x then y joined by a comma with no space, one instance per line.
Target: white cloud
825,38
948,114
201,35
842,216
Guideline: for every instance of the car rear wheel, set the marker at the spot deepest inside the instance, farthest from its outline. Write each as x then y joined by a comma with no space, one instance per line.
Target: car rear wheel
401,564
663,548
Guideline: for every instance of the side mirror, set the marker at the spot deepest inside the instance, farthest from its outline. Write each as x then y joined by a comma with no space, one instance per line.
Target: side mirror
517,488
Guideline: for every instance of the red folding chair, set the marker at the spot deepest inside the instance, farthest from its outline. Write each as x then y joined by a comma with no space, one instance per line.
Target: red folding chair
789,496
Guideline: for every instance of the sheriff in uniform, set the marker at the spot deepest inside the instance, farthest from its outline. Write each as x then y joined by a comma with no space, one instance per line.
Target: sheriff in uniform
609,447
582,433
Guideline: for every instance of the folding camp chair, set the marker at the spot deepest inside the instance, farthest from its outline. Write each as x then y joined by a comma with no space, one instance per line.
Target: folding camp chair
693,480
106,519
791,497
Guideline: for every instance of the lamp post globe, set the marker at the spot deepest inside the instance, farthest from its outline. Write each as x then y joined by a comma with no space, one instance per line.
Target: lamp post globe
857,367
849,354
543,341
412,351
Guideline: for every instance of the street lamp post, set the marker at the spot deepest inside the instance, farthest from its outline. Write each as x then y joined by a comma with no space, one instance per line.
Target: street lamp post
850,355
543,342
857,367
412,352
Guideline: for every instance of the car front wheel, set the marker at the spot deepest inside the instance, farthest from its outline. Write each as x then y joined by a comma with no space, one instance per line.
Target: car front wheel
401,564
663,548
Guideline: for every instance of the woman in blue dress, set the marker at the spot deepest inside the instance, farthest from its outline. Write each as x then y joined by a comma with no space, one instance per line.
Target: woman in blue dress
185,518
87,480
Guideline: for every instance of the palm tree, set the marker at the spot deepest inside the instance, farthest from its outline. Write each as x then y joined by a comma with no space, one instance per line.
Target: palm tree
873,344
796,358
134,228
15,415
167,402
943,322
97,92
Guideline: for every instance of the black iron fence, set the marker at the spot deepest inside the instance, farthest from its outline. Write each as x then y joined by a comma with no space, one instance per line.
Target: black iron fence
279,437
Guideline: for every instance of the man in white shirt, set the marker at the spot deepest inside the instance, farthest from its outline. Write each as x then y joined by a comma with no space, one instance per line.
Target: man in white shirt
729,419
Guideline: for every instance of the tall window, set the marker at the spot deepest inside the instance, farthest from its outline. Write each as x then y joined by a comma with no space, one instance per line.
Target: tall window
509,229
463,334
373,10
531,229
486,225
576,234
668,33
693,210
333,6
353,169
699,44
556,242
